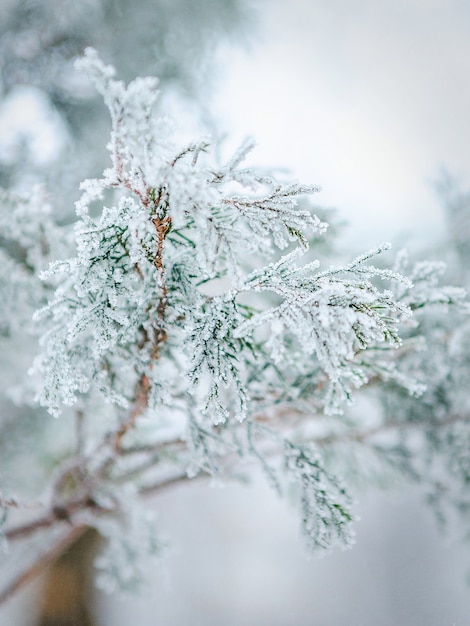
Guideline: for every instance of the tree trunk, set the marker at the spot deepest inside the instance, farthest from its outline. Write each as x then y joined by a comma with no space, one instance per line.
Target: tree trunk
67,595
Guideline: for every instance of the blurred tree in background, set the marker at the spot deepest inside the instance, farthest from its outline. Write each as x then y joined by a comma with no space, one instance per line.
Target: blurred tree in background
176,41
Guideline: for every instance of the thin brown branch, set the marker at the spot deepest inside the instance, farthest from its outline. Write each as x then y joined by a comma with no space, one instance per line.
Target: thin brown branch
162,227
24,530
161,446
63,513
79,430
139,407
136,472
161,485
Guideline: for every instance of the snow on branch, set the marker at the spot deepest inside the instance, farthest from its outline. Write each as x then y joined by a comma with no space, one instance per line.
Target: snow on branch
183,317
332,316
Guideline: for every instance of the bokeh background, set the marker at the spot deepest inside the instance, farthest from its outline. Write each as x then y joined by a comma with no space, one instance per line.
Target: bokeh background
369,99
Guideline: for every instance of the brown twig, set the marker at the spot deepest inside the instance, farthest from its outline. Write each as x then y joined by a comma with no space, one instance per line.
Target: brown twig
139,407
154,448
24,530
56,514
162,227
158,486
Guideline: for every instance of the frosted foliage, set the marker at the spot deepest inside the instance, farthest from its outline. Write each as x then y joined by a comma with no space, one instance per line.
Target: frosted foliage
325,504
17,288
111,308
331,315
27,221
29,240
184,321
215,361
425,288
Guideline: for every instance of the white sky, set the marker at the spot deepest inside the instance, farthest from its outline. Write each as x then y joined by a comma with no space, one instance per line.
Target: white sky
367,98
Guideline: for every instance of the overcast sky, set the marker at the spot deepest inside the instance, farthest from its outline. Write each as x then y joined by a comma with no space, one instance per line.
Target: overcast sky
369,99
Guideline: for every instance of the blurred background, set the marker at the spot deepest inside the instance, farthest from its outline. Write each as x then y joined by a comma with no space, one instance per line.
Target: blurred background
370,101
